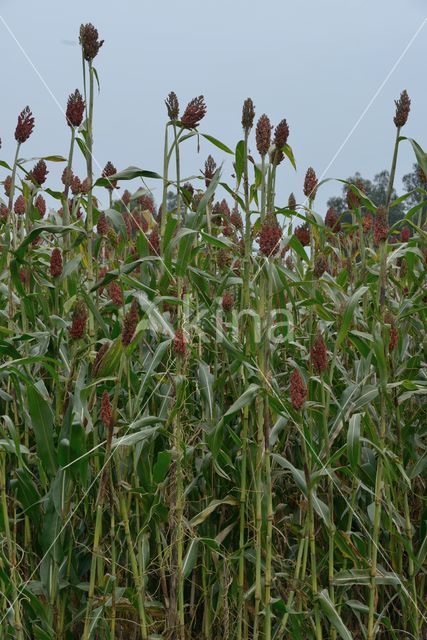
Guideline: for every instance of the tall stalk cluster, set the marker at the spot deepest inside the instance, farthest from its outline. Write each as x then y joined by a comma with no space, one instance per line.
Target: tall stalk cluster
212,412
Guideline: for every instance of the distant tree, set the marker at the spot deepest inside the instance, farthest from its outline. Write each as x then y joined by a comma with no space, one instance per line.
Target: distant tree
412,181
376,190
171,200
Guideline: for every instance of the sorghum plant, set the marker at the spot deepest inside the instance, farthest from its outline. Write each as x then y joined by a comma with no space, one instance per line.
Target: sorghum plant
212,419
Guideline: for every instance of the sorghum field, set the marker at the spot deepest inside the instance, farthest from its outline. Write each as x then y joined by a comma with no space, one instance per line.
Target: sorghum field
212,407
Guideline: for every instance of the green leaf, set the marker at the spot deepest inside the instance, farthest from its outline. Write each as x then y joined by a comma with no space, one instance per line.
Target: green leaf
190,557
349,315
206,380
353,440
217,143
201,517
333,615
246,398
161,466
42,422
127,174
240,159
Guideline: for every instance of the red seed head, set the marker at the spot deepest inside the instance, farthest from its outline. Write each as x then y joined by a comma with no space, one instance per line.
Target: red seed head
7,185
102,225
210,168
263,135
56,263
154,242
292,203
126,197
75,109
319,354
394,337
281,134
110,170
297,390
380,225
172,106
106,413
67,177
179,343
89,41
310,184
320,265
25,125
78,323
353,198
367,222
99,358
236,218
146,203
129,323
269,236
85,186
194,112
405,234
403,107
248,115
76,186
39,172
227,301
19,207
332,220
303,234
115,293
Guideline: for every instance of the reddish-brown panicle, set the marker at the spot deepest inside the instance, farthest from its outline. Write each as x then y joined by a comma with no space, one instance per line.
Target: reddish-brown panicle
75,109
319,354
194,112
39,172
248,115
297,390
263,135
403,107
210,168
25,125
292,203
172,106
303,234
89,41
19,207
115,293
78,323
381,227
7,184
56,263
310,184
179,343
108,171
332,220
40,205
106,413
129,323
269,236
227,301
102,225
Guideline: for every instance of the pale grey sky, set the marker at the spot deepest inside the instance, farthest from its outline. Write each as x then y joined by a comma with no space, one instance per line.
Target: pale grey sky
316,63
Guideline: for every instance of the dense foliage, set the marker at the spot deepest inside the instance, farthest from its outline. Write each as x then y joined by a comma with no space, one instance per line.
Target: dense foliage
212,414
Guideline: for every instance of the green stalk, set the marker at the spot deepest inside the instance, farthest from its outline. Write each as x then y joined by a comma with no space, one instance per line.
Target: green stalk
245,426
311,535
89,213
165,189
13,230
66,207
379,475
267,465
134,568
259,436
10,550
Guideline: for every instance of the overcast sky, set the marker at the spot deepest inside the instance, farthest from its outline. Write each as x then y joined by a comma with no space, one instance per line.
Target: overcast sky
318,64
